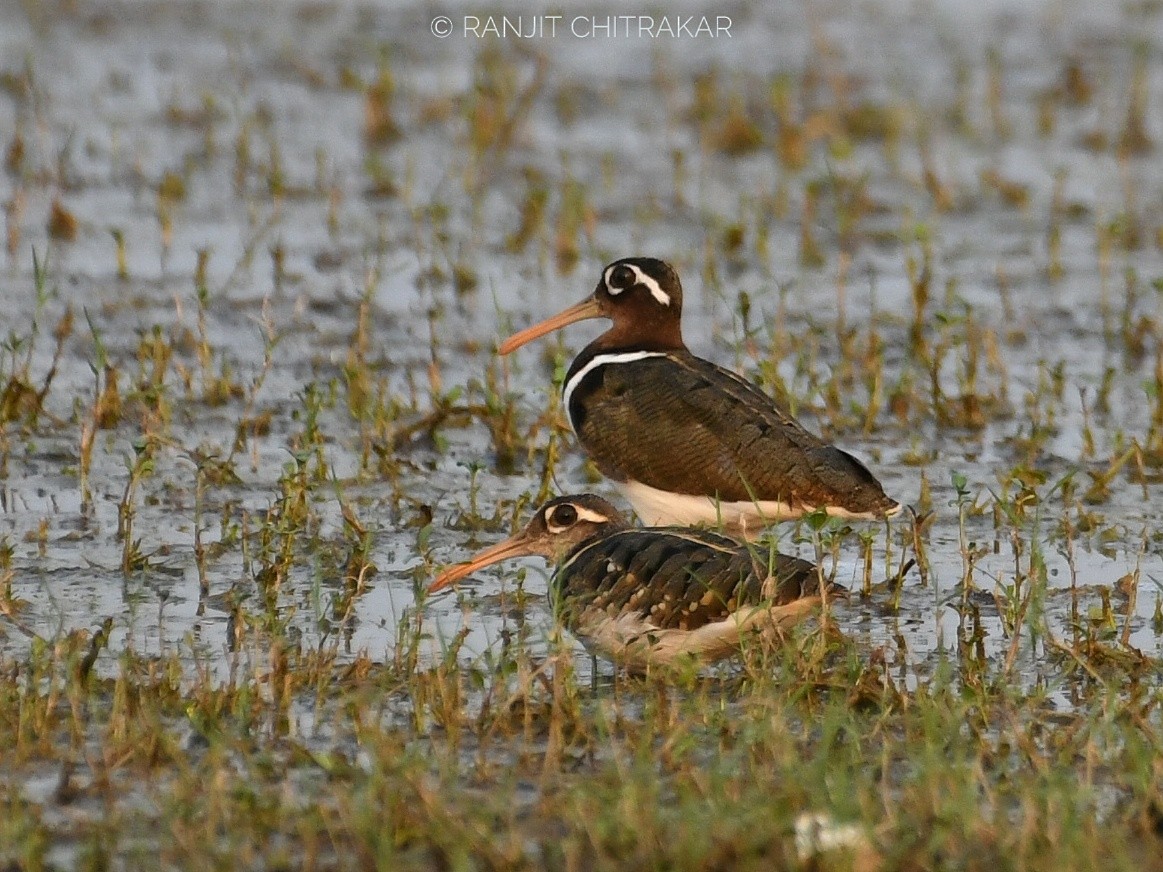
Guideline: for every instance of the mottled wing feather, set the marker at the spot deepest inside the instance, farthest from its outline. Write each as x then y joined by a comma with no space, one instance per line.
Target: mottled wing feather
682,424
677,578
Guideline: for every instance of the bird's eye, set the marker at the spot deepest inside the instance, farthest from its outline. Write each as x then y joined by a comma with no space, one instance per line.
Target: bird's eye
563,516
621,278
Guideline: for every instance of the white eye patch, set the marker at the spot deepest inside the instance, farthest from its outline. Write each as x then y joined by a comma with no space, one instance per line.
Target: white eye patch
640,278
607,279
583,514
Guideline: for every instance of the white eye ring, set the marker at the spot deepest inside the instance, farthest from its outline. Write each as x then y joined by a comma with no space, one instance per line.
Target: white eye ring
581,513
613,291
641,278
557,527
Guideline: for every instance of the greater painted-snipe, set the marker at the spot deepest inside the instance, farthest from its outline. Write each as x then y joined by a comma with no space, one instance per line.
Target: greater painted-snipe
686,441
644,596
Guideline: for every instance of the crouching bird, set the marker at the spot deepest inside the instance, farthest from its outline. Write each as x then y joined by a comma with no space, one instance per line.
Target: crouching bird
654,595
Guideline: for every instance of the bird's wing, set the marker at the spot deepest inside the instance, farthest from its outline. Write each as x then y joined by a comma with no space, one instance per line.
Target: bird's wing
682,424
678,578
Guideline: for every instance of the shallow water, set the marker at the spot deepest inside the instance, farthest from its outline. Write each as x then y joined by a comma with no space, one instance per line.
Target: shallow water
108,98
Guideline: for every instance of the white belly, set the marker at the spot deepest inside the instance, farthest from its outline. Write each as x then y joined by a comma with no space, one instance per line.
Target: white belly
636,644
659,508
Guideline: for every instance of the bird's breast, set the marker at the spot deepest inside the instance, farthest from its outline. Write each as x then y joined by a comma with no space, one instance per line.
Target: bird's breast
587,381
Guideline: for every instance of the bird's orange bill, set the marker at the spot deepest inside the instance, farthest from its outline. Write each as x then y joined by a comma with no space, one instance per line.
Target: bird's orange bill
587,308
514,546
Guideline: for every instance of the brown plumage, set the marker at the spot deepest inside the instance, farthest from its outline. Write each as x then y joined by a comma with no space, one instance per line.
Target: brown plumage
643,596
685,440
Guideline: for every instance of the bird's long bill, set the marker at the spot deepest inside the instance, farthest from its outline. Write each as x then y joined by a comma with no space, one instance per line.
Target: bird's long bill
587,308
514,546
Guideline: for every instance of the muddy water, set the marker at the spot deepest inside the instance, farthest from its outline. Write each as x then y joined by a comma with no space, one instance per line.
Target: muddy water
296,213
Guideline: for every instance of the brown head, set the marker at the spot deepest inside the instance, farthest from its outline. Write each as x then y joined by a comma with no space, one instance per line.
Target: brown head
641,295
559,526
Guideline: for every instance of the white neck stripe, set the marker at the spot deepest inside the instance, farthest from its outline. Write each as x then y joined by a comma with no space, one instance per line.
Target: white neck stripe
600,360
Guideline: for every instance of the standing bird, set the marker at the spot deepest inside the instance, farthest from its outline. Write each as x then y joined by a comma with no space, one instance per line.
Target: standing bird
686,441
654,595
